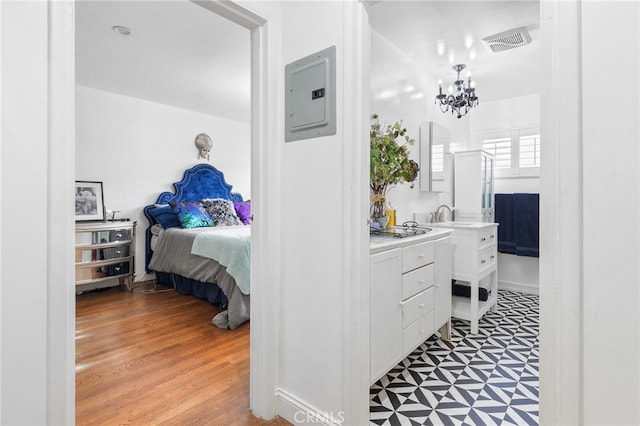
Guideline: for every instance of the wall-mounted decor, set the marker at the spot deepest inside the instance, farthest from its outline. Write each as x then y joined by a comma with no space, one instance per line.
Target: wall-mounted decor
89,201
204,145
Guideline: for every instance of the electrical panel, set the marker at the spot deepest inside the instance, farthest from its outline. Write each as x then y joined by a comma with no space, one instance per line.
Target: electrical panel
310,96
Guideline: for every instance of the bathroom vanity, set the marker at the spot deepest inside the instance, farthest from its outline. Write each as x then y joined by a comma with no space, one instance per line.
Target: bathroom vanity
475,261
410,295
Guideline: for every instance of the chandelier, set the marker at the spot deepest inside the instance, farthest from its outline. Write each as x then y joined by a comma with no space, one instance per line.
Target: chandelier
460,98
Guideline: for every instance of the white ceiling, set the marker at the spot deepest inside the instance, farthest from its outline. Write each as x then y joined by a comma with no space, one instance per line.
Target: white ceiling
178,54
417,27
183,55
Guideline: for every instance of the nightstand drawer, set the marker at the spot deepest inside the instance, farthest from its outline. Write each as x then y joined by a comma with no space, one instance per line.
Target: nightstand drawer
416,281
117,269
115,252
120,234
417,255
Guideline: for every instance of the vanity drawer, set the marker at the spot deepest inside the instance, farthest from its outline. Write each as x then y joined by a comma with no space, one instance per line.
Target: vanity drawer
417,306
487,258
417,255
416,281
487,237
418,332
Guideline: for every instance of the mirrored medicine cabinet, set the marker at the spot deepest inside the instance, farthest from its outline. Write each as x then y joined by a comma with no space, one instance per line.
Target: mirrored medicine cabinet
435,159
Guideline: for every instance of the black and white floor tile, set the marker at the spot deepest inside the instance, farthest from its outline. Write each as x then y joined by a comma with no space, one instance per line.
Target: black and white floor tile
486,379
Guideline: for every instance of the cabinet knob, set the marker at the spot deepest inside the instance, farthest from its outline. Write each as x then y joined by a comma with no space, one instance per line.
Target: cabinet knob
492,256
118,251
483,239
483,261
421,305
420,281
421,255
422,331
118,235
493,236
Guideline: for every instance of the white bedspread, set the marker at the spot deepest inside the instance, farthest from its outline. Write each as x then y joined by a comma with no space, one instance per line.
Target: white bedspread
231,247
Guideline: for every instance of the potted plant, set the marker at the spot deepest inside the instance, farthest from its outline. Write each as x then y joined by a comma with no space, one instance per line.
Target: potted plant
390,163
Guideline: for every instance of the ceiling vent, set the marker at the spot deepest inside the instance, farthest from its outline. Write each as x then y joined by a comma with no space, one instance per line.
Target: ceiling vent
508,39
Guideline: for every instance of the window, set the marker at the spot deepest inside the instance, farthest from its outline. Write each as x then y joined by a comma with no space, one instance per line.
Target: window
529,151
501,150
516,152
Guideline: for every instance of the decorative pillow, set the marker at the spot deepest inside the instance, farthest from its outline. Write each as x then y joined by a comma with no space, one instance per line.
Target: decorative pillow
221,211
243,210
165,216
192,215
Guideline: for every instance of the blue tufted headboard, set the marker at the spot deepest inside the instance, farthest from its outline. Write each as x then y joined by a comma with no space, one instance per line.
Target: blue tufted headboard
199,182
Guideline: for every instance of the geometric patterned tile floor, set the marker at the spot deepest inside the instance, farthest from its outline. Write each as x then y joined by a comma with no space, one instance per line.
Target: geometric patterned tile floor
486,379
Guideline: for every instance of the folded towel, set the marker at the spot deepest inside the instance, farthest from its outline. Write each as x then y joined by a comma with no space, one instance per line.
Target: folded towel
504,216
526,209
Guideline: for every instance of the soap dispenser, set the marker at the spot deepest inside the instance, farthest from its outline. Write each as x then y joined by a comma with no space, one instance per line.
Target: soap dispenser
390,211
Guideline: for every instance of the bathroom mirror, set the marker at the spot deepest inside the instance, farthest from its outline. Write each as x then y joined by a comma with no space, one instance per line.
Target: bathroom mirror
435,160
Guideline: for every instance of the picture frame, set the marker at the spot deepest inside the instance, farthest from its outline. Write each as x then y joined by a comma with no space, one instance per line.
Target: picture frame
89,199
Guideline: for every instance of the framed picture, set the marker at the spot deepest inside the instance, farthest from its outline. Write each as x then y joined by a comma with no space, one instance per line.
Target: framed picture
89,201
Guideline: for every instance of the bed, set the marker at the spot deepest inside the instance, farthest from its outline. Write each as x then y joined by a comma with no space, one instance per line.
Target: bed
202,254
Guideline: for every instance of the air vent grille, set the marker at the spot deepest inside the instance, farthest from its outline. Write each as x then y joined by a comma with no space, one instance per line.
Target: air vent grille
508,40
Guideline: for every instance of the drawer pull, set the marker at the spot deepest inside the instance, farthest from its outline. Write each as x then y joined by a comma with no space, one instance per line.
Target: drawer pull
493,236
420,281
483,239
483,261
492,256
118,235
118,251
421,305
422,331
421,255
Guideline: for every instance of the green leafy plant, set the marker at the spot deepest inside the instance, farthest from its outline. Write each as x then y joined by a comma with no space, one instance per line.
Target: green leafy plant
390,163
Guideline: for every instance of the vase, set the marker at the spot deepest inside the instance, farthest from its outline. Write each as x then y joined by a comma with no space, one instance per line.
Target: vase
377,205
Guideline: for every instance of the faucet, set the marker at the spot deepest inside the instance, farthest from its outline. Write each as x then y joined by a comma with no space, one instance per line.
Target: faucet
438,215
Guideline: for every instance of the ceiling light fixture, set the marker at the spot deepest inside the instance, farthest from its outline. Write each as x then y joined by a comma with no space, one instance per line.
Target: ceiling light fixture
121,30
459,99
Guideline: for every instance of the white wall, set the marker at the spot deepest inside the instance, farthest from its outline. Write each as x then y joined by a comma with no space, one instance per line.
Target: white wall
589,269
611,177
138,148
37,305
518,273
310,350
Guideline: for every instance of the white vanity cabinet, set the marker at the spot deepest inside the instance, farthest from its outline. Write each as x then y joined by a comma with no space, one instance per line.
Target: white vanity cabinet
409,296
475,261
473,186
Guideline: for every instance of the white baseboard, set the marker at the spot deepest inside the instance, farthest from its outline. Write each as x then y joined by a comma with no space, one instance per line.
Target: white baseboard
145,277
298,412
519,287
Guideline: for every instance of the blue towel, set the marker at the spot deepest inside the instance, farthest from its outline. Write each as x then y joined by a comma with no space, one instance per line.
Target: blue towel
526,213
506,230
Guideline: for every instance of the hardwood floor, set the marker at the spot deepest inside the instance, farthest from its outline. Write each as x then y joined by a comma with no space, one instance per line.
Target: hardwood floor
156,359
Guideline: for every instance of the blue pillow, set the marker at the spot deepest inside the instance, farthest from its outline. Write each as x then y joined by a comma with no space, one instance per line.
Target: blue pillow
192,215
165,216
